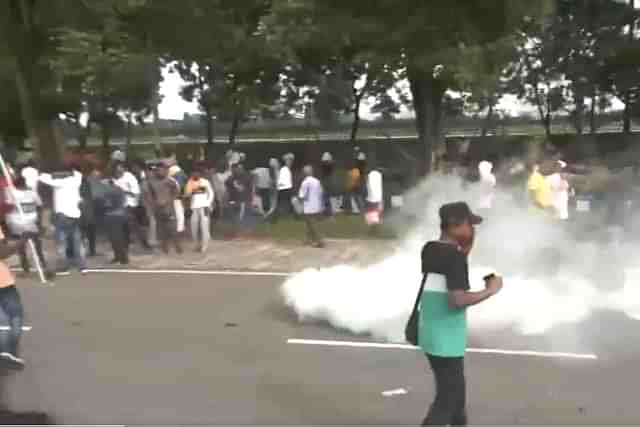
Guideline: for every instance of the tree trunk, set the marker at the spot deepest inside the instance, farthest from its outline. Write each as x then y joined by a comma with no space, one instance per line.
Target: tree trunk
127,146
208,123
592,113
48,148
547,125
83,134
427,94
355,125
104,128
578,119
626,114
488,119
235,125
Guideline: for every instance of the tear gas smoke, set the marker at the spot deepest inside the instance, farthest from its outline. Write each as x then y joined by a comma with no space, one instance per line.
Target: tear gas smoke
552,276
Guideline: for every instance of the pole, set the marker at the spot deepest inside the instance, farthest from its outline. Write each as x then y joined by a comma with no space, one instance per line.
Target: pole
12,190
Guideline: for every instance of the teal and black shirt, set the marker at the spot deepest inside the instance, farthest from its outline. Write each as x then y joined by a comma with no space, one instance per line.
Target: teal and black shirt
442,328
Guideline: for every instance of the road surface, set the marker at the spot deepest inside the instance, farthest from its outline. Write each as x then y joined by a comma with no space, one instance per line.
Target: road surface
173,349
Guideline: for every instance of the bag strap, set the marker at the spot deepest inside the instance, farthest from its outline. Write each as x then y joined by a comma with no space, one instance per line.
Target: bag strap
424,281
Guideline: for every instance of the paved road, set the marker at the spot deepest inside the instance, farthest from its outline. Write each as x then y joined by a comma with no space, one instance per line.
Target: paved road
177,350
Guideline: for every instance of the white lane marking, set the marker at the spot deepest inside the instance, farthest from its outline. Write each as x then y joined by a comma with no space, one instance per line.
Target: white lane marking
469,350
24,328
191,272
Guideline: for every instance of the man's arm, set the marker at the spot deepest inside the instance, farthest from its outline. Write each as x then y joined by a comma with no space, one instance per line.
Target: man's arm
461,298
47,179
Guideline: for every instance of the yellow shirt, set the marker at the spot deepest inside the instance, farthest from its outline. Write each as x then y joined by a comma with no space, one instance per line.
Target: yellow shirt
353,179
540,190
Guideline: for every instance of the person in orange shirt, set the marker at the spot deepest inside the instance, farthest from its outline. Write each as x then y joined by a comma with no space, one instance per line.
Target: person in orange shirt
11,310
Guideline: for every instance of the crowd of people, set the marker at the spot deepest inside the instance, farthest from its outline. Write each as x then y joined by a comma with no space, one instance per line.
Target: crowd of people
164,204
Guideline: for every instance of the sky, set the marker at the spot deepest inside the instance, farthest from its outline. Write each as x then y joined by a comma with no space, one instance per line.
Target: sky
173,107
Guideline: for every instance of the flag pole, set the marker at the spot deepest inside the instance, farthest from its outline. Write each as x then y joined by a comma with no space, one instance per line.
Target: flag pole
12,190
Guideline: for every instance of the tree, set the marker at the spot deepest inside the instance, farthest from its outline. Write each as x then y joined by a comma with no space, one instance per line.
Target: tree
337,49
483,77
537,77
426,37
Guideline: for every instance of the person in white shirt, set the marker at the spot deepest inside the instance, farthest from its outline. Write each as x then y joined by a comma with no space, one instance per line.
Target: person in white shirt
285,186
30,175
26,224
559,192
202,196
487,185
128,183
263,184
66,206
375,198
311,196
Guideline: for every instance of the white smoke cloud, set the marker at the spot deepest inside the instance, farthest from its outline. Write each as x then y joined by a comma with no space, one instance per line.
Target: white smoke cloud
552,277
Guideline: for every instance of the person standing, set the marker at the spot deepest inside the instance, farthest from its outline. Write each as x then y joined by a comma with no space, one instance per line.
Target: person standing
274,174
312,198
26,224
353,186
131,187
539,189
30,175
11,310
285,186
180,178
66,205
374,199
88,220
559,191
487,185
263,188
442,326
163,191
116,218
238,188
202,196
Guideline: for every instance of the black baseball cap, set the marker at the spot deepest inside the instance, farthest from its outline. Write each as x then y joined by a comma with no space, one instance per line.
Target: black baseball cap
457,213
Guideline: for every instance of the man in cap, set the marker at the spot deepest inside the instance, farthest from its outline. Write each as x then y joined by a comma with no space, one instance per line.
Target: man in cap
442,331
162,192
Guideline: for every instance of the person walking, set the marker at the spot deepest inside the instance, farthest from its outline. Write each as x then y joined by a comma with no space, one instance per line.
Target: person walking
128,183
66,205
202,196
26,225
312,198
163,191
11,310
442,327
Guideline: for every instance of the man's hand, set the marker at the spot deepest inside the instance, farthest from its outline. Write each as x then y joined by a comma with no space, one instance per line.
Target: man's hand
494,284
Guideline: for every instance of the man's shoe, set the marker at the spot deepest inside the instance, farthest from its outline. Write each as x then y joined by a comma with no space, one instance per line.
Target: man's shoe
63,272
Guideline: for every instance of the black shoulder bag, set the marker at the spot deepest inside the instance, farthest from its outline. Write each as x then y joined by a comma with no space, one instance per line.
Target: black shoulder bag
411,330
